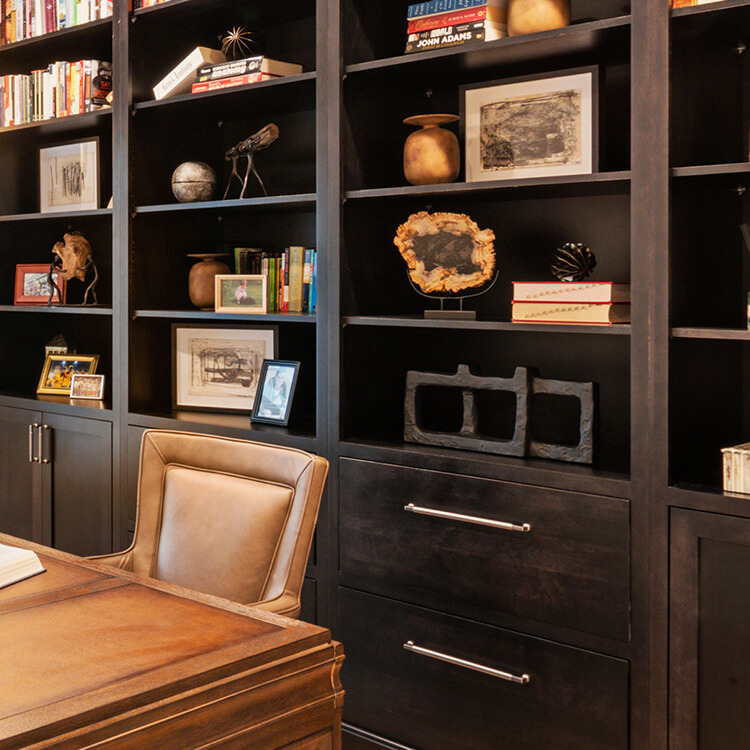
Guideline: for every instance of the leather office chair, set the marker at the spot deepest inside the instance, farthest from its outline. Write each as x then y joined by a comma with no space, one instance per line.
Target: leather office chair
225,517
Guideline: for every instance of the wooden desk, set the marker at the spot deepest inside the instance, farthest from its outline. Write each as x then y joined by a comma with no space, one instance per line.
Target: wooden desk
91,656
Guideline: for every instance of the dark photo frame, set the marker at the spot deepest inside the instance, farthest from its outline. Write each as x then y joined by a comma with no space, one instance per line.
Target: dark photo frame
273,399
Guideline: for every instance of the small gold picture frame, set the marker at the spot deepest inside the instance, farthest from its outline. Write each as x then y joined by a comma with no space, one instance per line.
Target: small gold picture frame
59,369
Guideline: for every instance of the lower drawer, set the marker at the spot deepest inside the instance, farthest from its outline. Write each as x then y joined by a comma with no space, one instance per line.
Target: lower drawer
573,699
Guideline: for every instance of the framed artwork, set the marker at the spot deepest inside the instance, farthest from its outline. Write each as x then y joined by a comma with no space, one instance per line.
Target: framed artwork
33,287
273,401
536,126
218,369
87,386
59,369
241,293
69,176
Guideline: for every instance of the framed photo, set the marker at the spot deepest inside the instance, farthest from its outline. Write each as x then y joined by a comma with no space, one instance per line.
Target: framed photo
87,386
33,287
273,401
69,176
59,369
536,126
241,293
218,369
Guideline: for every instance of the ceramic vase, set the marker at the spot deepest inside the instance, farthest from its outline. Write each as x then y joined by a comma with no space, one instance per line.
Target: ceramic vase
431,154
530,16
201,278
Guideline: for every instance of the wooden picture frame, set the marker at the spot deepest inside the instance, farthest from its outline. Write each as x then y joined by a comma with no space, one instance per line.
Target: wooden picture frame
273,399
544,125
87,386
218,369
32,285
69,176
241,294
59,369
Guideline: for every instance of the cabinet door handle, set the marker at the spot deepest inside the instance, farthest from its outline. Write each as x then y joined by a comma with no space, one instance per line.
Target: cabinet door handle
32,458
41,444
524,527
519,679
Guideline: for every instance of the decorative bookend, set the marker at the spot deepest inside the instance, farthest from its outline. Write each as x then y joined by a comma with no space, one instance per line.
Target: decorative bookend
525,385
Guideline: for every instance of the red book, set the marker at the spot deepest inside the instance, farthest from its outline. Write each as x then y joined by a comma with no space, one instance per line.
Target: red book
225,83
455,17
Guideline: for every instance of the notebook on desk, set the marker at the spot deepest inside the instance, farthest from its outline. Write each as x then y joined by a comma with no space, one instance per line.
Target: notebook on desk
18,564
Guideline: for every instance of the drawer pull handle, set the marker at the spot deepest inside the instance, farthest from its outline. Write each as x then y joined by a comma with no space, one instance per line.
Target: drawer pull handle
41,444
519,679
524,527
32,458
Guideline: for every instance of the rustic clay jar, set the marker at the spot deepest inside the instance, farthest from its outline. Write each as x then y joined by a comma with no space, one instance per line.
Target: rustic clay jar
201,278
530,16
431,155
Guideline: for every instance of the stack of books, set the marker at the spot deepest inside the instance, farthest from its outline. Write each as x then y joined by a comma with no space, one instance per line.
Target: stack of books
222,75
438,24
687,3
23,19
59,90
736,468
292,276
602,302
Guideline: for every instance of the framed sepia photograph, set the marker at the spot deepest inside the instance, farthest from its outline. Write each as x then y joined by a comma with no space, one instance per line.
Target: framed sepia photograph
59,369
87,386
69,176
273,401
33,287
536,126
218,369
241,293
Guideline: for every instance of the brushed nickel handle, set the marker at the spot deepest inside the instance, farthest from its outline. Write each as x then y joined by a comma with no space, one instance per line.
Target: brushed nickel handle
519,679
523,527
32,458
41,444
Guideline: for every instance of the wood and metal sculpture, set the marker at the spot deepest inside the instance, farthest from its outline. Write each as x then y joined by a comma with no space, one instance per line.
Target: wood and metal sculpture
73,260
573,262
247,148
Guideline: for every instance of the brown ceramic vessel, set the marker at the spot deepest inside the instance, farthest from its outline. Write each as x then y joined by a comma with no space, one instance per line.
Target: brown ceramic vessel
431,154
530,16
201,278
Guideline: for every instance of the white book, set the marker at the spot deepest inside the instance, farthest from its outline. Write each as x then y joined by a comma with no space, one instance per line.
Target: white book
182,77
17,564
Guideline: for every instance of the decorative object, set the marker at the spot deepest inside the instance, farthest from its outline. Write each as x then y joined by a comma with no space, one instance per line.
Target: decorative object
237,43
56,345
33,286
59,369
87,386
217,369
524,384
431,154
69,176
73,260
446,253
736,468
201,278
543,125
247,148
573,262
531,16
244,293
193,181
273,401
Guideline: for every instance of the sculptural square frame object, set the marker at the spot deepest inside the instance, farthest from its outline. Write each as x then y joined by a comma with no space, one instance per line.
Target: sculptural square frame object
69,176
543,125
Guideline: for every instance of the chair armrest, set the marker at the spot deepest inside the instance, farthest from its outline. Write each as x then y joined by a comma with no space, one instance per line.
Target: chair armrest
287,604
122,560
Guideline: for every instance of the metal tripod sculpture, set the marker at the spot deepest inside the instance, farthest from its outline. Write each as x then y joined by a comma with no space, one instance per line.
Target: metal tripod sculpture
247,148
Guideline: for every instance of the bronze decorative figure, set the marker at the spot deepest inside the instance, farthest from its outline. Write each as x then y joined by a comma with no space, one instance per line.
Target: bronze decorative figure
72,260
247,148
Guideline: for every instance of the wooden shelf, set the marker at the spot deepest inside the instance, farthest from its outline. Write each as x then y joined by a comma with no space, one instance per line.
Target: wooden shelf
711,170
57,216
57,309
264,13
55,37
238,318
271,202
59,405
718,6
717,334
55,124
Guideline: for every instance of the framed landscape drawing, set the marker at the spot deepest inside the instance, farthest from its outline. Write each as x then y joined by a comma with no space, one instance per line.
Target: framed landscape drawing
537,126
218,369
69,176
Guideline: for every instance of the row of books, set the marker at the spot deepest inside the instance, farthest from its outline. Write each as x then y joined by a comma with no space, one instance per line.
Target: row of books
736,468
291,275
23,19
146,3
602,302
449,23
59,90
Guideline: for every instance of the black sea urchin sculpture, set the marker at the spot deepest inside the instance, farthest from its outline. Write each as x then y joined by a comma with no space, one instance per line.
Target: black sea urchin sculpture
573,262
237,44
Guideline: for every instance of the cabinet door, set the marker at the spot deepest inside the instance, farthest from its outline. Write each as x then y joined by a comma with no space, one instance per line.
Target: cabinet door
710,631
77,484
20,480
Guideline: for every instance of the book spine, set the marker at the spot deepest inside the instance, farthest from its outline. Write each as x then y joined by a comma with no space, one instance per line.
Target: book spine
178,74
296,276
215,71
469,15
314,282
226,83
442,6
285,292
306,280
446,37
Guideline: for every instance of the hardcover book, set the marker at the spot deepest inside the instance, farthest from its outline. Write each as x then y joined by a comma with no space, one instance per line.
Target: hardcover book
17,564
582,291
451,36
468,15
257,64
181,78
443,6
561,312
226,83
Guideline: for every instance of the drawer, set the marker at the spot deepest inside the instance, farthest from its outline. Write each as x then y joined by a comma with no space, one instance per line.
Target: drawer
571,569
573,700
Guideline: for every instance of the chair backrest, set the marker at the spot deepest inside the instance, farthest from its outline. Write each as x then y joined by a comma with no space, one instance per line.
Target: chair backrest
226,517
